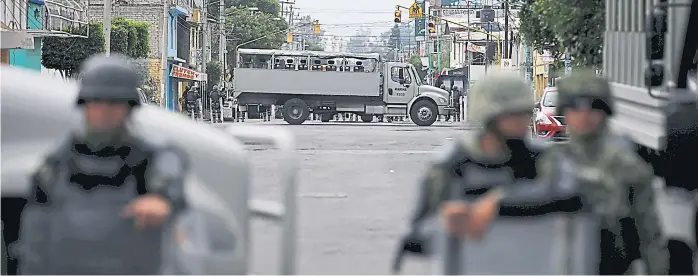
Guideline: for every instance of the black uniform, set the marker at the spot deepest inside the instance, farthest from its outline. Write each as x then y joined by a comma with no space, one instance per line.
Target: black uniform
72,225
191,97
215,97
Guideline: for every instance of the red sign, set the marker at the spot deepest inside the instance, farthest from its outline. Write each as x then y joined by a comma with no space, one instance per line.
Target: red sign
184,73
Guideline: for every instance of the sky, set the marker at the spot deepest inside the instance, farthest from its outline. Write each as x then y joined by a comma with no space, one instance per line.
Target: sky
344,18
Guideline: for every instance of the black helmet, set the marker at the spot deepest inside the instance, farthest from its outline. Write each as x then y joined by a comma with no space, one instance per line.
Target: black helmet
109,79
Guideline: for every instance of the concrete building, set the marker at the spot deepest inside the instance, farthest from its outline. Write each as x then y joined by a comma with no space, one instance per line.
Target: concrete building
184,59
25,22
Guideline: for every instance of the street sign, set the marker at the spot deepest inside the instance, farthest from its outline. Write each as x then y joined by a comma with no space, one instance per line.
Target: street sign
419,27
416,10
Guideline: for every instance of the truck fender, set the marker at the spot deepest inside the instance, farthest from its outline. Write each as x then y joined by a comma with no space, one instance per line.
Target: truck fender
426,96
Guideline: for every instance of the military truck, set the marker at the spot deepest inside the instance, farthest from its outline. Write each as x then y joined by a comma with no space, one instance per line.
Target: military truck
330,83
651,57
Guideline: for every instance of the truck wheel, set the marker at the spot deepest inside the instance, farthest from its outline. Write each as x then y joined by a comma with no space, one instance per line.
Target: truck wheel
424,113
326,117
367,118
295,111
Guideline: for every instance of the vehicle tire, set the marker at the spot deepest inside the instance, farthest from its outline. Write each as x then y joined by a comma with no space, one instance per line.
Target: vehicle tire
424,113
295,111
326,117
367,118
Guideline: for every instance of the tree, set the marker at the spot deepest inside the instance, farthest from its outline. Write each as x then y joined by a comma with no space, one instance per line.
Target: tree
66,54
243,26
575,26
315,47
214,70
265,6
416,61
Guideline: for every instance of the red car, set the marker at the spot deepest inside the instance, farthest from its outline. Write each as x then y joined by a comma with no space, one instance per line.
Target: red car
547,124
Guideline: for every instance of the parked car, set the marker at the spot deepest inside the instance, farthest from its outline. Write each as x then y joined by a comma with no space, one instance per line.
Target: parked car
547,124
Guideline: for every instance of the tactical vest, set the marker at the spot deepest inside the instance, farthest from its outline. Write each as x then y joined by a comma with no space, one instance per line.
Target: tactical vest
86,233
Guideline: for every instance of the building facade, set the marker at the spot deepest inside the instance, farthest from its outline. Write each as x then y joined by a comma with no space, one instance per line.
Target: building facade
181,31
25,22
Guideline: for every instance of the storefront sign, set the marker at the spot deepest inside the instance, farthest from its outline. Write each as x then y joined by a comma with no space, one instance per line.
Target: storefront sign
186,73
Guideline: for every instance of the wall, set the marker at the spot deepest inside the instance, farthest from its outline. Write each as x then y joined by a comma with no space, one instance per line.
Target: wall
25,58
139,10
172,27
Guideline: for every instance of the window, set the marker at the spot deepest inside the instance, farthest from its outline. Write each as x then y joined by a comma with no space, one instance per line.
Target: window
395,74
550,99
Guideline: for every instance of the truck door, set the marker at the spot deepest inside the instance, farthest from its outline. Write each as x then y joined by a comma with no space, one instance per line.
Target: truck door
400,85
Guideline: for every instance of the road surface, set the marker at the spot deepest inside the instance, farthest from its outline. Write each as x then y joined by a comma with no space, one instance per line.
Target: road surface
357,182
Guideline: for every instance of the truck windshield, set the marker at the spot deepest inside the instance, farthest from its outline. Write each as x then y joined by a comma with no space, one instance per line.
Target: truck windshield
416,76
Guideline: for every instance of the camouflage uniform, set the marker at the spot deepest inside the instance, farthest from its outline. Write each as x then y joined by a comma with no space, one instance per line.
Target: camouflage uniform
617,183
465,168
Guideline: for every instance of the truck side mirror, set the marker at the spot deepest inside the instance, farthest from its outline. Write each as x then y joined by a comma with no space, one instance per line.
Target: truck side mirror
401,75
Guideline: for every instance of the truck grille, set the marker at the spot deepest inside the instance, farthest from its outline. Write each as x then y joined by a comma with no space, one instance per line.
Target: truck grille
561,120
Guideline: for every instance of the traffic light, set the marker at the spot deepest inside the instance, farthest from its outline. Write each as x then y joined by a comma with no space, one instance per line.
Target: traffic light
398,16
317,28
432,28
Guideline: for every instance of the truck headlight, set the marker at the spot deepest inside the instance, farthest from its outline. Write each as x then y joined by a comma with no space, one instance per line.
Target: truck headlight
443,100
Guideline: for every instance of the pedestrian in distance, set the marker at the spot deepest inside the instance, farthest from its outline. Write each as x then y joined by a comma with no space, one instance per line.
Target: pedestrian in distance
470,173
103,198
615,183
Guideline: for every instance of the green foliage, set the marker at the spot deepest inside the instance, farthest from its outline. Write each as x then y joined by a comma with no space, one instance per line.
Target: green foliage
243,26
416,61
214,70
66,54
130,37
265,6
575,26
315,47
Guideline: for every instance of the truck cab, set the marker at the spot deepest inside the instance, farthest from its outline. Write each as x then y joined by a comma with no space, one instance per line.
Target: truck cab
404,88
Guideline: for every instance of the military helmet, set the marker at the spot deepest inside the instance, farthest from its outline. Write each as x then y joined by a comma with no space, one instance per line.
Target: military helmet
584,88
498,94
109,79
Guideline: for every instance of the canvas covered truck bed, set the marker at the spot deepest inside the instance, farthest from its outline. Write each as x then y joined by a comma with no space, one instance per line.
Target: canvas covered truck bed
265,81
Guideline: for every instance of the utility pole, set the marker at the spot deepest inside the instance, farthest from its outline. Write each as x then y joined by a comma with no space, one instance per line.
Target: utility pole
205,37
221,39
163,52
506,29
107,26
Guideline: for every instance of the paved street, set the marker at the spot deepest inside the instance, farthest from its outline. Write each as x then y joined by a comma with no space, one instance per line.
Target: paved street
356,184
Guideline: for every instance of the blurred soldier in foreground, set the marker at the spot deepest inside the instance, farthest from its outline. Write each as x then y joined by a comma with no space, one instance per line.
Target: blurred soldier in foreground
472,166
102,198
215,97
615,182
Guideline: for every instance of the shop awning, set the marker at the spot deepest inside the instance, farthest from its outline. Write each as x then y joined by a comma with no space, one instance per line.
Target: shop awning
18,39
